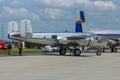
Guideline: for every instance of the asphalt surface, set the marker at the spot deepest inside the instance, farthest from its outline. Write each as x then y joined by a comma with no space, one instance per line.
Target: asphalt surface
54,67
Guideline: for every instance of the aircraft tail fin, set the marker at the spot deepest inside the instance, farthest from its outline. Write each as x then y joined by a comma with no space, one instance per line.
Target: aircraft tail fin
82,17
13,27
25,28
80,22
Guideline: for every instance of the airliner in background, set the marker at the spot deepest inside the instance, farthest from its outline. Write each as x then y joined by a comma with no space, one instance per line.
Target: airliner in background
65,40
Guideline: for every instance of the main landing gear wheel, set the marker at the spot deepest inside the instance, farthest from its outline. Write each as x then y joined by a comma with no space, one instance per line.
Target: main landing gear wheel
62,51
99,52
77,52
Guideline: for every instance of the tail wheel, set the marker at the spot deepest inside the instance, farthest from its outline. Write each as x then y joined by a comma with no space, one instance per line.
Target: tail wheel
77,52
99,52
62,51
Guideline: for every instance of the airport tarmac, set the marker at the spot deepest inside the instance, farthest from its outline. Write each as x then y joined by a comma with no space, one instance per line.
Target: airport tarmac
54,67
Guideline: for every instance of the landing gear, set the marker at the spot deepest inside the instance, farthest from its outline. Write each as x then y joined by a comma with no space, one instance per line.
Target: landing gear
99,52
77,52
62,51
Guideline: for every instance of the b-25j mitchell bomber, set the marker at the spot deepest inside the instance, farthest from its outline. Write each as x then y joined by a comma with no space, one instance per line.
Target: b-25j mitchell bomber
65,41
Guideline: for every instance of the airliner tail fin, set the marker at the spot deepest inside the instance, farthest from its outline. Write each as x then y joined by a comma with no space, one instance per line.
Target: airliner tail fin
82,17
80,22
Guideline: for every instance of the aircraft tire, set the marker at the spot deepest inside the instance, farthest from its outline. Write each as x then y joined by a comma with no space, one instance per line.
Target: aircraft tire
62,51
99,52
77,52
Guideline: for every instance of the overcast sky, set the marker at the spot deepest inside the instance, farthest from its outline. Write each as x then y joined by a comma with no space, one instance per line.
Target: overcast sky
60,15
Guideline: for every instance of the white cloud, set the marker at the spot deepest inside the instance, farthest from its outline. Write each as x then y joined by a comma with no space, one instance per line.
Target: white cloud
99,4
45,1
11,11
53,13
67,3
82,1
21,12
59,3
34,16
105,5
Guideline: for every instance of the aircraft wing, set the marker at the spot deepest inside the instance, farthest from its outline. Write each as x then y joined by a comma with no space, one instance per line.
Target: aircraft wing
76,37
74,40
115,39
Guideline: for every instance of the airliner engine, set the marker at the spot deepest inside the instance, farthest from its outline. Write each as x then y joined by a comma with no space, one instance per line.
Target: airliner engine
25,28
13,27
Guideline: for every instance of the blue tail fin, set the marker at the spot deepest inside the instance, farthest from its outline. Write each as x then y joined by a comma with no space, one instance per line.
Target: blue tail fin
78,26
82,17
